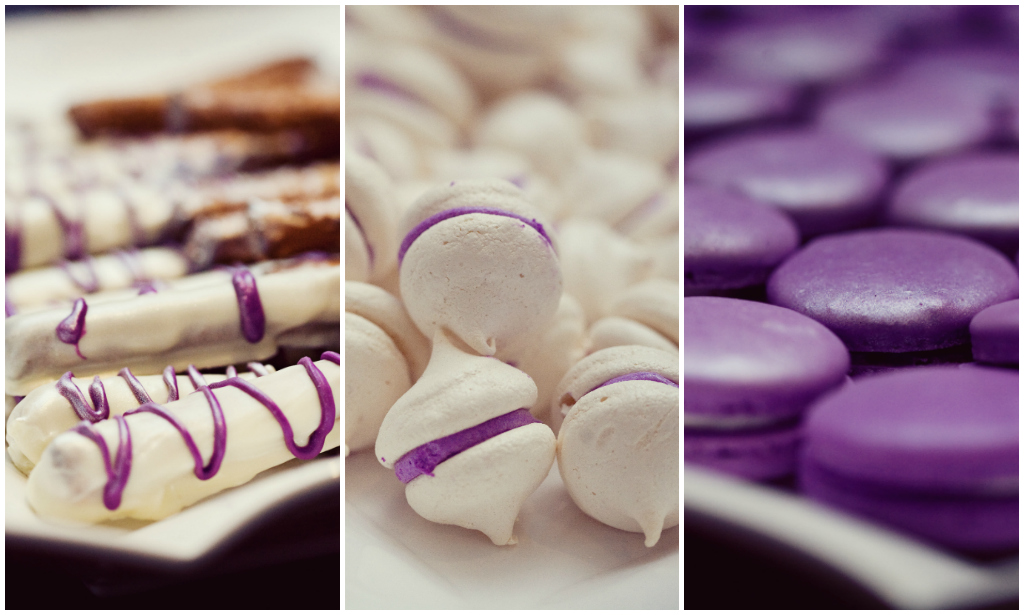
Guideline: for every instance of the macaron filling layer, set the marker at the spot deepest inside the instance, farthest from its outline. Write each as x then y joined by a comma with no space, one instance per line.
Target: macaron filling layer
439,217
423,459
382,85
650,376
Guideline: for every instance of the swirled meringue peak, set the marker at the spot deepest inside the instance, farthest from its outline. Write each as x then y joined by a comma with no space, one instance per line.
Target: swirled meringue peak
463,441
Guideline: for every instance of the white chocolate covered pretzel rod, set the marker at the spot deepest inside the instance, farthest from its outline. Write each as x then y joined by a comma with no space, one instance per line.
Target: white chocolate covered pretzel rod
156,460
245,316
40,288
55,408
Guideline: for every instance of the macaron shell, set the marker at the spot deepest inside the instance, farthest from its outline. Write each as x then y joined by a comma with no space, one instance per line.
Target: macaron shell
376,375
457,391
755,454
484,487
603,365
978,524
995,333
615,331
750,359
894,290
941,429
488,279
611,438
386,311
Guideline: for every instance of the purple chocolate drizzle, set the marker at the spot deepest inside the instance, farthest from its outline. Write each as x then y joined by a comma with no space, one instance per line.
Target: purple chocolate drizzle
119,472
72,329
250,308
73,230
90,283
651,376
422,227
423,459
100,408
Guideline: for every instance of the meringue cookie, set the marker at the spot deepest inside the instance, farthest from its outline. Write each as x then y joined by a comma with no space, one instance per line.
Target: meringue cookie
384,355
618,448
645,123
479,261
394,149
599,263
646,314
613,187
370,220
46,412
483,486
538,125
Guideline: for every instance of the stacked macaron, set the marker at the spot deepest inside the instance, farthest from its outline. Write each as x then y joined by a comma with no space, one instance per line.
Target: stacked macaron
532,157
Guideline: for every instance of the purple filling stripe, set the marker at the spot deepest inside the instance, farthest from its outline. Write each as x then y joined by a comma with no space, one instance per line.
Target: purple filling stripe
437,218
380,83
72,329
423,459
250,308
651,376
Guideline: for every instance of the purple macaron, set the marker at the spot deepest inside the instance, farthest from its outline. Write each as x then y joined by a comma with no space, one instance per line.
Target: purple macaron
994,334
976,194
718,100
731,241
907,120
750,371
893,294
825,182
932,451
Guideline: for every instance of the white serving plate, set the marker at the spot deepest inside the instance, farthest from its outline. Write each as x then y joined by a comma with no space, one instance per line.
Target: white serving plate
179,542
902,571
395,559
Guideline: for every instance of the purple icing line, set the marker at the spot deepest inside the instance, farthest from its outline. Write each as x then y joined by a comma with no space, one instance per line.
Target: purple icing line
423,459
145,288
331,356
91,282
117,475
359,227
171,382
119,471
72,329
73,230
250,308
9,309
651,376
136,387
231,372
422,227
100,408
197,379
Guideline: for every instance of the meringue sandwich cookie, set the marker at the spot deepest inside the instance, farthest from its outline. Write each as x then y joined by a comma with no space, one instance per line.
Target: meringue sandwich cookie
994,334
538,125
410,86
371,218
479,261
825,182
618,447
464,443
55,408
895,297
751,370
598,264
973,194
932,451
153,461
646,314
245,317
731,241
907,120
37,288
384,354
